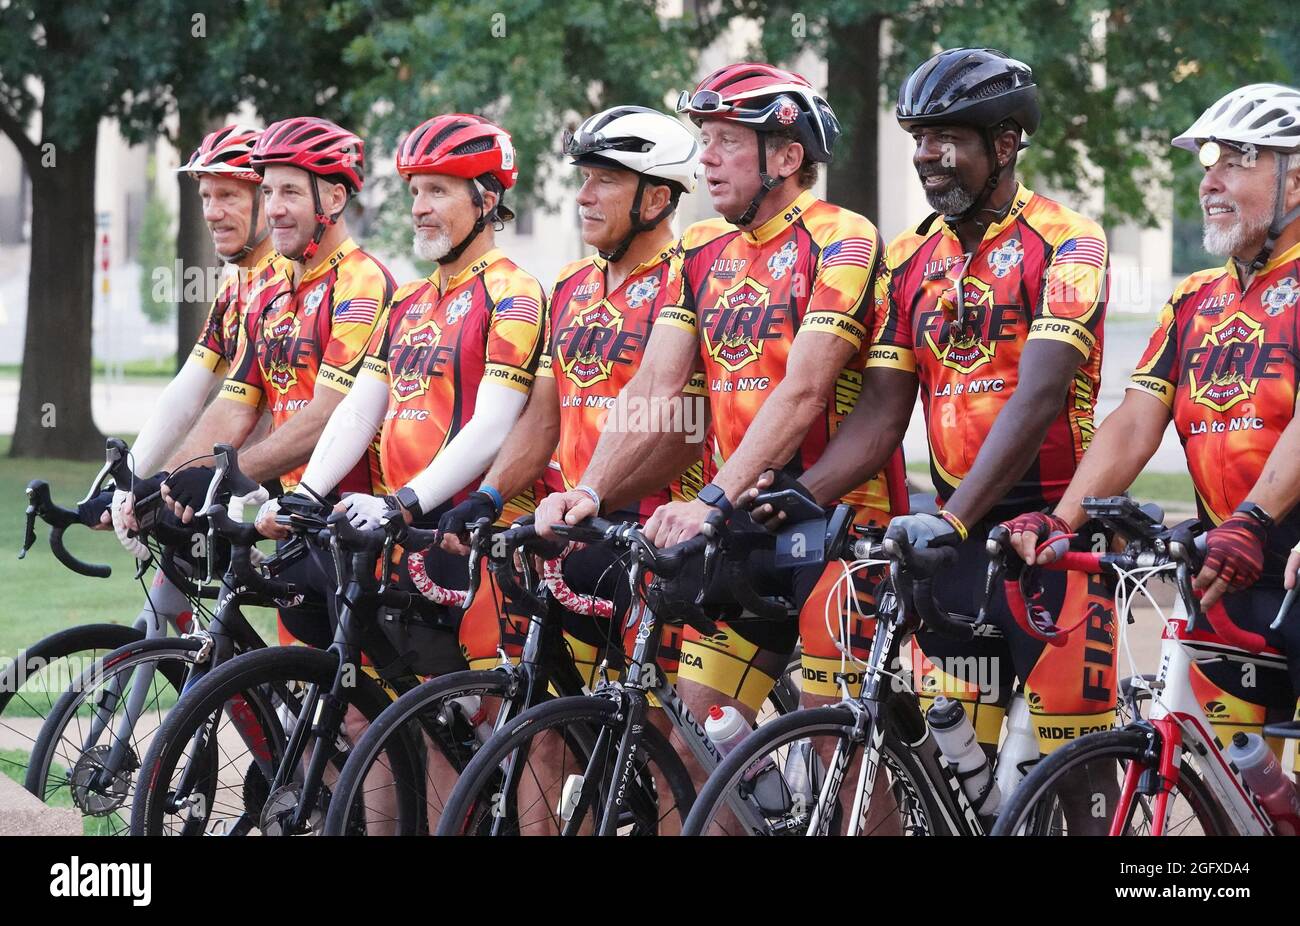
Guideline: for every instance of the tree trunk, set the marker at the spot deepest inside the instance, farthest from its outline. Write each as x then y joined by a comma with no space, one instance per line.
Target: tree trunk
54,407
193,243
853,71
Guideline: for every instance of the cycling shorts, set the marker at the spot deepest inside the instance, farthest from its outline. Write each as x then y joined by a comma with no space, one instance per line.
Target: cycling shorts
1070,689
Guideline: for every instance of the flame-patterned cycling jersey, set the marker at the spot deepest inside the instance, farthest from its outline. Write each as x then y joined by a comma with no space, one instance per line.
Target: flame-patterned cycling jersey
1039,272
748,294
440,342
1227,363
594,344
218,342
314,333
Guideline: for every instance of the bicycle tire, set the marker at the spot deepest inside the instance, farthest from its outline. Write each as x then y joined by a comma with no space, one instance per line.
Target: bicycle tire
837,719
246,677
50,746
466,812
1128,744
349,792
94,640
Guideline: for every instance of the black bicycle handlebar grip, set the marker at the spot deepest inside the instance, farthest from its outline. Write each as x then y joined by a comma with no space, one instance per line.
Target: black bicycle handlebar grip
238,533
415,539
354,540
94,570
935,616
669,562
590,530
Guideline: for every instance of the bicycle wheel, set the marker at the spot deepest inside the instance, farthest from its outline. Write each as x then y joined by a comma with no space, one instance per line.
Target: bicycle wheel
212,763
89,748
549,771
790,755
34,680
433,723
1075,791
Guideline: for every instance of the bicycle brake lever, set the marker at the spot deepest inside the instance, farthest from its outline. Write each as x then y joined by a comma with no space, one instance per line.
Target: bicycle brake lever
114,454
1282,612
29,534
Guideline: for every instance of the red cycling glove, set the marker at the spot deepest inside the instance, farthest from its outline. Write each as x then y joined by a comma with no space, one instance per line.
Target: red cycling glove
1235,551
1038,523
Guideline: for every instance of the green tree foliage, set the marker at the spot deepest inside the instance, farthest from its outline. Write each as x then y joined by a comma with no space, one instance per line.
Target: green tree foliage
157,249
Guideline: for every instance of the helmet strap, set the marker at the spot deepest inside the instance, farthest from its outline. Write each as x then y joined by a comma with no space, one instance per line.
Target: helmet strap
323,222
1280,220
639,226
981,201
479,224
253,239
767,183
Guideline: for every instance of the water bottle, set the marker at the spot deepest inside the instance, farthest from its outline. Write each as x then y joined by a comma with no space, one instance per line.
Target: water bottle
1264,776
475,714
726,728
804,772
956,738
1020,747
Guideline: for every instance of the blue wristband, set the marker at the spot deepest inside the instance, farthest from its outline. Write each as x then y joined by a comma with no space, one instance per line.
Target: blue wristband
493,494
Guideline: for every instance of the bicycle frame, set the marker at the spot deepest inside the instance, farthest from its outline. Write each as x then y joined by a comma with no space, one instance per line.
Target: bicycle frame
1177,718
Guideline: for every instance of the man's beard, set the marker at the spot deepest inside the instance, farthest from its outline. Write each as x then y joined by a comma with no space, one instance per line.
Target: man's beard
434,248
1227,242
954,200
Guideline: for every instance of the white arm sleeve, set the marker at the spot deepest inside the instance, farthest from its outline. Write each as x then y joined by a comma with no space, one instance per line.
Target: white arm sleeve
467,456
347,434
173,416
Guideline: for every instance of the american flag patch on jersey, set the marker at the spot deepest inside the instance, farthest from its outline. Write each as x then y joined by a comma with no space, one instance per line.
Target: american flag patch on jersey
1087,251
362,311
519,309
847,252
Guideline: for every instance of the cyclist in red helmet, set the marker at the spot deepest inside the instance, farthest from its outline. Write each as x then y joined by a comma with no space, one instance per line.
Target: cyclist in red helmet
305,333
774,315
445,379
230,195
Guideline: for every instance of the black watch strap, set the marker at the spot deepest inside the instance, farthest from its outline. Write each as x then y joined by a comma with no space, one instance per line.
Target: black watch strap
713,496
408,499
1251,510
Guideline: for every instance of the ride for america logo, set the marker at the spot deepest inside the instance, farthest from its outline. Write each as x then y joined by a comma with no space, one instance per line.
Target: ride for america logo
587,350
1231,360
281,350
736,327
412,361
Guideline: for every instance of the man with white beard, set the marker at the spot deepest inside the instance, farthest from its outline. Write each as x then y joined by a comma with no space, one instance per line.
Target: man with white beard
444,380
1224,366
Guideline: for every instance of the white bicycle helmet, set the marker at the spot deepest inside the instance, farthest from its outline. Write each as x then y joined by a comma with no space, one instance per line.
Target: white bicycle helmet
1261,116
654,146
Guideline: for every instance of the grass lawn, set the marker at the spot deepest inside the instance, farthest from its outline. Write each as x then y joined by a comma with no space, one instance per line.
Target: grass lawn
1169,489
40,595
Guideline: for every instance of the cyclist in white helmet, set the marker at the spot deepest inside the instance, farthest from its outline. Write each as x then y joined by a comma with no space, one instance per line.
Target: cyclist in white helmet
1224,366
635,163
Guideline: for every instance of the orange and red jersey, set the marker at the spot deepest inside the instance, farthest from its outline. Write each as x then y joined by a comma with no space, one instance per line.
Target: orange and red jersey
594,345
441,340
218,341
313,333
1227,363
1039,272
747,294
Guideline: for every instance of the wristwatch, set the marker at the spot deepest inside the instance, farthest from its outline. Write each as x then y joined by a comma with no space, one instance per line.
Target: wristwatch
407,498
713,496
1251,510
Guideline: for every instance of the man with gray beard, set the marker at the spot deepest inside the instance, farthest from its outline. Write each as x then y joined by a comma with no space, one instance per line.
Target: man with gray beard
1224,366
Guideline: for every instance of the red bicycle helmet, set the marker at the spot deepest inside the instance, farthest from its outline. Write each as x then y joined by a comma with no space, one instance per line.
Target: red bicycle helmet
321,148
227,152
459,145
471,147
767,99
318,146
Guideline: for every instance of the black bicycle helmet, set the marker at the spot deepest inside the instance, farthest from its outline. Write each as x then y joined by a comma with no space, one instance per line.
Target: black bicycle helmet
977,87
